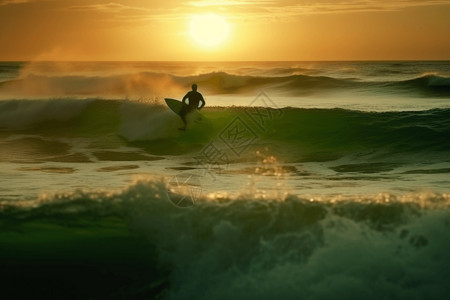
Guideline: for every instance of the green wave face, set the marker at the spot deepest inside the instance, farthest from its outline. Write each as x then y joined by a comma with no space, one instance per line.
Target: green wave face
297,132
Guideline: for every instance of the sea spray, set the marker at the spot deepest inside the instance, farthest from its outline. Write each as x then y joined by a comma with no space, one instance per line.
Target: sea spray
371,246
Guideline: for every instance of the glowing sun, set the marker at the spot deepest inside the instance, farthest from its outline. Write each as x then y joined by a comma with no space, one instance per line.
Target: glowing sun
209,30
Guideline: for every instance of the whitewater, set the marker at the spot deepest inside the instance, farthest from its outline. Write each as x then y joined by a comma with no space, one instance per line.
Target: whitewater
301,180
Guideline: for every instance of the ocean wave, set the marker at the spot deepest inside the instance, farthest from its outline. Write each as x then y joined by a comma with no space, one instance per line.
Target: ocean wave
23,114
9,71
426,85
142,84
155,128
382,245
150,83
116,86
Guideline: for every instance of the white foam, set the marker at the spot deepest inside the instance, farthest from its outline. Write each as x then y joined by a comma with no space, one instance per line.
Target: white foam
293,249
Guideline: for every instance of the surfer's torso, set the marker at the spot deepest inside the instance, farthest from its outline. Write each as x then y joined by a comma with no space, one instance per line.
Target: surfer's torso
194,99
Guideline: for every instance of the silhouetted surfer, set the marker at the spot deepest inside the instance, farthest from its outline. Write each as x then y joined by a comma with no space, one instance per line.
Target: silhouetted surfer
192,100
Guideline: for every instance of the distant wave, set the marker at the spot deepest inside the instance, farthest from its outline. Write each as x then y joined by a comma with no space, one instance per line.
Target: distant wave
426,85
9,70
141,84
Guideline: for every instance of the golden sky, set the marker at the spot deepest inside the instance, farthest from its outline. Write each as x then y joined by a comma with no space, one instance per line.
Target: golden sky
226,30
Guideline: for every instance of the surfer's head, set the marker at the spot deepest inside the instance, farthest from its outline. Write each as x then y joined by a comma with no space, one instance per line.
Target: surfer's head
194,87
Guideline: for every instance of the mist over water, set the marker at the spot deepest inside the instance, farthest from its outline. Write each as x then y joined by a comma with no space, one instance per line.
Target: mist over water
332,180
292,81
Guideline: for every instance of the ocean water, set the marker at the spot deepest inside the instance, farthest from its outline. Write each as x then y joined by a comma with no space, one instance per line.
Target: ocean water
301,180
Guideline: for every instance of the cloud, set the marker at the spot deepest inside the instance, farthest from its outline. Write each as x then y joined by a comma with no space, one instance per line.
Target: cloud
6,2
207,3
249,10
289,10
256,10
132,14
109,7
328,6
302,7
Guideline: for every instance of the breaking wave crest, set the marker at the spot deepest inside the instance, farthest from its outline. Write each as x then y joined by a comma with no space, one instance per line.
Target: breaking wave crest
248,248
142,84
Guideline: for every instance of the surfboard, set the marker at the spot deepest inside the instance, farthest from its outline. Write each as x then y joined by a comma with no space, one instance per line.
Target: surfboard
175,105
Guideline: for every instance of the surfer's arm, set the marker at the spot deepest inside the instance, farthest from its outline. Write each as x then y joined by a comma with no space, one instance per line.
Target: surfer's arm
202,102
184,98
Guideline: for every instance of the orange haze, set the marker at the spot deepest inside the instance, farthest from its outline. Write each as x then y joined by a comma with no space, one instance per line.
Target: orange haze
259,30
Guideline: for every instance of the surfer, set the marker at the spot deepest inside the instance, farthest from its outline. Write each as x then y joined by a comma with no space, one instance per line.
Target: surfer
192,100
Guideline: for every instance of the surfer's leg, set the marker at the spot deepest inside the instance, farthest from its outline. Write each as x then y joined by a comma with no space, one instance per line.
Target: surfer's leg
183,118
184,113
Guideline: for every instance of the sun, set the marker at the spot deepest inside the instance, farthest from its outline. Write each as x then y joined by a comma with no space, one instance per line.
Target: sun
209,30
